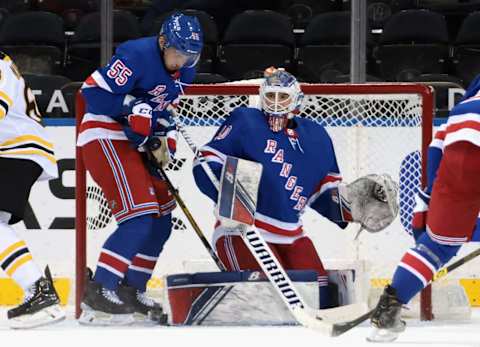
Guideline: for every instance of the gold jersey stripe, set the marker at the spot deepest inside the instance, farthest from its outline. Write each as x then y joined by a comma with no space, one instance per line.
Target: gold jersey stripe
3,113
12,248
5,97
28,152
11,270
28,138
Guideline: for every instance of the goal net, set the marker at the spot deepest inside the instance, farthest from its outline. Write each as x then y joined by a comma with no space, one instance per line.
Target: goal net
376,128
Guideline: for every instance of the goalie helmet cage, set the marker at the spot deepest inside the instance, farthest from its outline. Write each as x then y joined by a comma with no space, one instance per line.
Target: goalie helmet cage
375,128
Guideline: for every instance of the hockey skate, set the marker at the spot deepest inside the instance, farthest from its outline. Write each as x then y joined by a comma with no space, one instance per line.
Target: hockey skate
41,306
146,309
103,307
385,319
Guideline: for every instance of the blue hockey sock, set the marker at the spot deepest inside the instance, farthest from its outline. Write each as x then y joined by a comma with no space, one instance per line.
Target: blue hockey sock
418,265
143,264
120,248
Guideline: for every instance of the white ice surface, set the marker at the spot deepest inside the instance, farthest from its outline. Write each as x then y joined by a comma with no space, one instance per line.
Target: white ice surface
69,333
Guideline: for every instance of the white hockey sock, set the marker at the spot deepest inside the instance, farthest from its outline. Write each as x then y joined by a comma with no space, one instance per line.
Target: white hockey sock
15,258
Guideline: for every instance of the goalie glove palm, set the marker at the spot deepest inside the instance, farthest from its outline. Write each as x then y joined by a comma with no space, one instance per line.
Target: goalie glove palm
372,201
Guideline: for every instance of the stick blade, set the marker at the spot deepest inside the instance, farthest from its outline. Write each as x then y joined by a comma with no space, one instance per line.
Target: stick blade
342,327
343,313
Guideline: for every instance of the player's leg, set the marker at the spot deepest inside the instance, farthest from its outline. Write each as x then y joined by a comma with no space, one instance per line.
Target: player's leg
455,194
119,170
133,288
302,255
41,302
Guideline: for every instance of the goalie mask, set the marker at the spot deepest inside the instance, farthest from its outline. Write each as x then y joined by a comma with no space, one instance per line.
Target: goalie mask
280,97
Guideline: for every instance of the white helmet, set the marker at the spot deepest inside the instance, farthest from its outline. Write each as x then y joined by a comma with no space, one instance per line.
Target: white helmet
280,97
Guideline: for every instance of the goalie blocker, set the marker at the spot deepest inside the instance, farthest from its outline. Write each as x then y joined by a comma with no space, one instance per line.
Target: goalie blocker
247,297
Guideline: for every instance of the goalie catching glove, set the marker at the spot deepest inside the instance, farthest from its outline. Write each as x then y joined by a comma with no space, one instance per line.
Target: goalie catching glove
370,200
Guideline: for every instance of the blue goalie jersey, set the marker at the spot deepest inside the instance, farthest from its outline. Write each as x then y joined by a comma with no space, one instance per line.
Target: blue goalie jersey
299,168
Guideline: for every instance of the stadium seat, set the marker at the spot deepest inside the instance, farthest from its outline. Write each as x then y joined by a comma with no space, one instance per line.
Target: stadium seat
46,89
221,12
324,49
70,10
255,40
302,11
3,15
413,42
35,40
84,50
466,50
59,6
210,32
379,11
15,6
208,78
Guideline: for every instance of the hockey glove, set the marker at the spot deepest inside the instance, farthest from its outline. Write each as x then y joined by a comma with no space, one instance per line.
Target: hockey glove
419,220
159,148
163,142
139,116
370,200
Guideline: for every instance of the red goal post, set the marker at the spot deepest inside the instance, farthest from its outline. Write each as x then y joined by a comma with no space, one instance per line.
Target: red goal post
374,127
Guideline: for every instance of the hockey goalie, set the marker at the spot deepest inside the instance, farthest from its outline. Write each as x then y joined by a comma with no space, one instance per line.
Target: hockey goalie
299,170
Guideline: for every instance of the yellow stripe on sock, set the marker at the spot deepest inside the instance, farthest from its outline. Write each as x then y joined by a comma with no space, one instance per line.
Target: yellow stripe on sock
11,270
11,248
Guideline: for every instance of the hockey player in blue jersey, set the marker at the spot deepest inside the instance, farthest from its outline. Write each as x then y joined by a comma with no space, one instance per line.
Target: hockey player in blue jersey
445,215
126,105
299,170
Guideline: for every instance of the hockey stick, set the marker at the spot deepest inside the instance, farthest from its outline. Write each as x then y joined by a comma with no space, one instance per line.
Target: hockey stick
185,210
306,316
445,270
344,327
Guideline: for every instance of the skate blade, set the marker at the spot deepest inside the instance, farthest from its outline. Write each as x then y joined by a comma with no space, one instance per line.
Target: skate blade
46,316
382,335
149,320
97,318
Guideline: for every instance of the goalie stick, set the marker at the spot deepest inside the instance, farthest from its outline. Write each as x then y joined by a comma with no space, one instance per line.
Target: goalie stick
329,322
